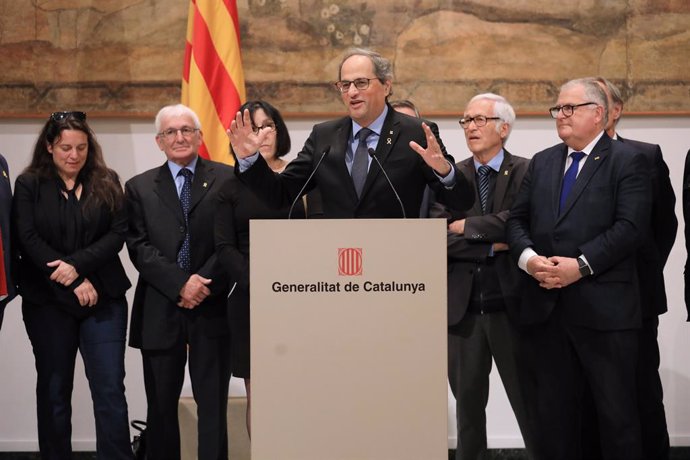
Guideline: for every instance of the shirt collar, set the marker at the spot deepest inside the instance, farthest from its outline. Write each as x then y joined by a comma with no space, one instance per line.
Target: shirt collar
376,126
495,163
589,147
175,168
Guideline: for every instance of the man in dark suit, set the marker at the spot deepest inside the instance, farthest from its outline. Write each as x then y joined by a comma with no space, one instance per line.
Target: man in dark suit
179,304
686,219
7,288
651,258
482,278
352,185
575,227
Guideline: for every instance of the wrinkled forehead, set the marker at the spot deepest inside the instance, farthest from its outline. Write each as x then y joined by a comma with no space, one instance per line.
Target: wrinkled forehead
176,121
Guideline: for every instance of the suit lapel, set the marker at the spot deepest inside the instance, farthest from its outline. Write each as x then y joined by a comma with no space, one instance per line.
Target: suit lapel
339,149
594,160
204,176
166,191
502,180
466,168
557,169
389,135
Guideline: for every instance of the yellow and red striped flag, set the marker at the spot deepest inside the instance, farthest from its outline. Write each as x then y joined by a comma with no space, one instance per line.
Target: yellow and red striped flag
212,79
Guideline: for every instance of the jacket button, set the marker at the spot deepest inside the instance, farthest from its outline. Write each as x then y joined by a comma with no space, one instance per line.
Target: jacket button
181,229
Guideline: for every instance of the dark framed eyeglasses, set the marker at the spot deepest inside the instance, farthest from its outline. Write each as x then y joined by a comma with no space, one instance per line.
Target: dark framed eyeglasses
171,133
60,116
360,83
567,109
269,126
479,121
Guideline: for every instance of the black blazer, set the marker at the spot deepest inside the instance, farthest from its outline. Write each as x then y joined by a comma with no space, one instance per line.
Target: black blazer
605,218
35,212
155,234
5,211
661,233
406,169
686,219
481,231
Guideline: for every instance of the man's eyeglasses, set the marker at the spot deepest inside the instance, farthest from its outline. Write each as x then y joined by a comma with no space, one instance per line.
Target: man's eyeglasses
567,109
360,83
171,133
479,121
60,116
268,126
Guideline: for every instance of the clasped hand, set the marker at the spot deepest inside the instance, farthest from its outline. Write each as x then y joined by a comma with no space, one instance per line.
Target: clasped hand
86,294
194,291
554,272
64,274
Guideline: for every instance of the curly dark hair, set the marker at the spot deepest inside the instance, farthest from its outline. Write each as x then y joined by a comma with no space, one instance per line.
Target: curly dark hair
102,183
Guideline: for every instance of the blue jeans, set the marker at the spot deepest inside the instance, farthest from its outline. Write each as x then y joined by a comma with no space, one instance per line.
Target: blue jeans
100,338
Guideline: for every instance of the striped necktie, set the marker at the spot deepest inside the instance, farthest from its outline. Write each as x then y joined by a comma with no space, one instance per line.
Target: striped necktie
484,172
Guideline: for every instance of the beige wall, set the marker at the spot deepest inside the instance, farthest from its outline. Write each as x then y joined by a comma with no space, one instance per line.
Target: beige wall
130,149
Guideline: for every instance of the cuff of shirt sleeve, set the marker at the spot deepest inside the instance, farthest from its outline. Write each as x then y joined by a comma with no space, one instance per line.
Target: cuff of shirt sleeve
246,163
449,180
526,255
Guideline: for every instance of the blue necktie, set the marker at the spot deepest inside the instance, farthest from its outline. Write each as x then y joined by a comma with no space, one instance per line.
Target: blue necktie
484,171
569,178
184,259
360,163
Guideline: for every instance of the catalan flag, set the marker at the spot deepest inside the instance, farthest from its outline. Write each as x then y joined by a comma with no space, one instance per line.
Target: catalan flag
213,80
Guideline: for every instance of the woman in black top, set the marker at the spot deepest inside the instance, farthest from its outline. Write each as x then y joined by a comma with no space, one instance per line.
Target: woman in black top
70,225
238,205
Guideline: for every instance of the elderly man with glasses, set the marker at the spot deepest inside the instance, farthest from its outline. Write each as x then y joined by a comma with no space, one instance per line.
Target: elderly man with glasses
483,295
574,229
343,159
179,309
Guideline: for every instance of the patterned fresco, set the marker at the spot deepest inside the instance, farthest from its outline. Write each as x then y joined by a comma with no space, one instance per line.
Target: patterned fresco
124,57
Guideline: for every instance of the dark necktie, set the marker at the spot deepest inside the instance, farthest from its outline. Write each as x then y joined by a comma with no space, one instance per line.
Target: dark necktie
569,178
360,164
183,256
484,172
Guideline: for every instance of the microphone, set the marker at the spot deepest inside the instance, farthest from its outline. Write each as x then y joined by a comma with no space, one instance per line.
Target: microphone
299,195
372,154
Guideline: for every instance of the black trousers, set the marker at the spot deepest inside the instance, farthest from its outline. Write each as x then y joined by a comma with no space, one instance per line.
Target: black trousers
209,370
650,400
559,361
473,344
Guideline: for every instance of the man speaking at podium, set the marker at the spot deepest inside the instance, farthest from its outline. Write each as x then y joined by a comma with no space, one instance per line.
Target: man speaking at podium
374,163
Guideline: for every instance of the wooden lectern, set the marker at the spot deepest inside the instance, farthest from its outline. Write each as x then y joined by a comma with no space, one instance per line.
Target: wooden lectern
348,339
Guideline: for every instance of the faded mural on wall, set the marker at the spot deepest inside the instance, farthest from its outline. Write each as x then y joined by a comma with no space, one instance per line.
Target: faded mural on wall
124,57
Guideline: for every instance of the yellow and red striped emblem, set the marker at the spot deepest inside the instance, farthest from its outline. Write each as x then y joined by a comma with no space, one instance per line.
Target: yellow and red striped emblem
350,261
212,78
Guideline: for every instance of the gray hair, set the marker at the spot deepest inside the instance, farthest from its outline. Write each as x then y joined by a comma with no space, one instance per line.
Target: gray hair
502,109
383,69
176,110
593,91
405,103
616,95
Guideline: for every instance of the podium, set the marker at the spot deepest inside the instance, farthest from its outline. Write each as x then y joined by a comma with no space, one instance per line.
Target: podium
348,339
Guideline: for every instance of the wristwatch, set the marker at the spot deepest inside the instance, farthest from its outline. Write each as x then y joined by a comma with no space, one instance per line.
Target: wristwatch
584,268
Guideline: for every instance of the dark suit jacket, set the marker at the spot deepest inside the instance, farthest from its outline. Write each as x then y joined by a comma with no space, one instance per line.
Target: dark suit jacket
35,216
156,231
481,231
686,219
661,233
406,169
604,218
5,210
